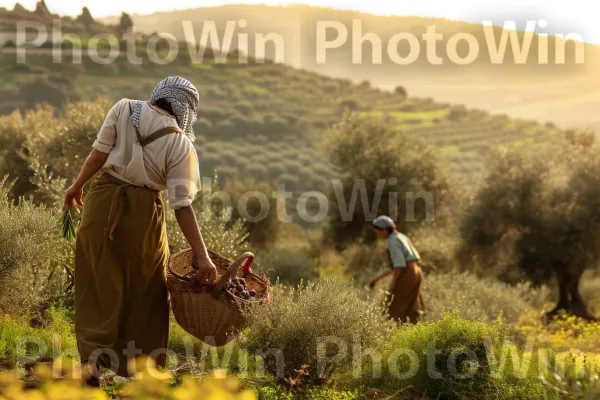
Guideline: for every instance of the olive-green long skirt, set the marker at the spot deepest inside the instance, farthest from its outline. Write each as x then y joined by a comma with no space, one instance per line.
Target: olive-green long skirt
121,300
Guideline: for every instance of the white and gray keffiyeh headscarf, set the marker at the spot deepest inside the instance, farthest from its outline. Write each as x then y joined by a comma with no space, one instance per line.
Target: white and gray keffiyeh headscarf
183,98
384,222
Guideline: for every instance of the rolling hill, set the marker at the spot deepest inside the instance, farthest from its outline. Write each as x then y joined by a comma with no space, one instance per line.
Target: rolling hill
558,93
266,120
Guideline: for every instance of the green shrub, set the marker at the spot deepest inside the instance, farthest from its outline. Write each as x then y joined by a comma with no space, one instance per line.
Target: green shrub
220,236
261,221
256,170
208,161
291,119
280,393
290,267
305,175
289,180
350,104
245,108
291,153
213,114
203,125
13,135
275,124
455,358
401,91
31,254
294,167
330,87
41,90
437,247
228,158
257,139
292,330
476,298
228,172
275,170
212,147
319,182
63,141
226,127
306,159
241,122
364,261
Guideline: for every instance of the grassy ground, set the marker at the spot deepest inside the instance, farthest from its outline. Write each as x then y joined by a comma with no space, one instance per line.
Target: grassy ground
521,343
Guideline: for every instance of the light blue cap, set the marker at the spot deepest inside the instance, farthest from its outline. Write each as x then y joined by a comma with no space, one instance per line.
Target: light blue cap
384,222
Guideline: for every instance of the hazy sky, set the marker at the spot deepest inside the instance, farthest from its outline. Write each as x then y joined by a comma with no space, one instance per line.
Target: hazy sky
573,16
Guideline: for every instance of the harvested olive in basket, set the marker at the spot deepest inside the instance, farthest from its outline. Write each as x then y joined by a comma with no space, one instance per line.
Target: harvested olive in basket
236,286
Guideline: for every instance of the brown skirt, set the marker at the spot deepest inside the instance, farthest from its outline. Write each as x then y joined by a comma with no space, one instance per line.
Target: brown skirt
121,301
405,302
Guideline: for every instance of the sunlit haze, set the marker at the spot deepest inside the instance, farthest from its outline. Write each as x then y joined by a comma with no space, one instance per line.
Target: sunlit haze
562,17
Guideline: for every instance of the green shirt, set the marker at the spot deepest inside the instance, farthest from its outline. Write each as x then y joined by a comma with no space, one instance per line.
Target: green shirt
401,249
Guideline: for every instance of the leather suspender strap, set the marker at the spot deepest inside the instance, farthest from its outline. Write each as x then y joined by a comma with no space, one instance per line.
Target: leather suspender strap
158,134
154,135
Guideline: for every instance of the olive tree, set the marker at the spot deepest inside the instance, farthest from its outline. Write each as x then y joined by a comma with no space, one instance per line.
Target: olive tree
254,203
540,208
381,171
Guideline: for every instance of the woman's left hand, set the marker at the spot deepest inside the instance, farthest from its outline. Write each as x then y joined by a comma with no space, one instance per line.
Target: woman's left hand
73,197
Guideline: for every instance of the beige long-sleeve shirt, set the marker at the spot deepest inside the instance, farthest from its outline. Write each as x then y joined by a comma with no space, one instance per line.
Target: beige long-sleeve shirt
170,162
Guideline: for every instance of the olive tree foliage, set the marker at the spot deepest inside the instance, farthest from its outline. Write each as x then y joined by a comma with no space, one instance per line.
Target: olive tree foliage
42,145
220,231
13,134
539,209
42,150
381,171
60,142
32,254
219,235
254,200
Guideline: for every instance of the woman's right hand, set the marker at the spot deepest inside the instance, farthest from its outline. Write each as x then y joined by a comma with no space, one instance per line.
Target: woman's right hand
207,272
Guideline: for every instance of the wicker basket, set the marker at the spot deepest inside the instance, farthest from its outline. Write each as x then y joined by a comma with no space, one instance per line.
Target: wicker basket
205,311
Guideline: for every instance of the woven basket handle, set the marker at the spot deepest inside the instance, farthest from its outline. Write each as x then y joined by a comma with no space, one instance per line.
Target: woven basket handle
233,268
170,269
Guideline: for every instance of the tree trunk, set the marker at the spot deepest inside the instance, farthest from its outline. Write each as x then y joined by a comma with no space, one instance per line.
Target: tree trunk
578,306
569,298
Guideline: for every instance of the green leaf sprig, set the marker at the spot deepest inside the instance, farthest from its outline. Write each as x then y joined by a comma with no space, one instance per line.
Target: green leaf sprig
68,223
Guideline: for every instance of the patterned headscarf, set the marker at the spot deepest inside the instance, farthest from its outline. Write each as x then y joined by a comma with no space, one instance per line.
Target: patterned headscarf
183,98
384,222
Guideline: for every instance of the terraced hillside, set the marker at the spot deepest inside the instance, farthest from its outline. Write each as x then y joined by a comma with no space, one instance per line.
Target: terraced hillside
562,93
267,120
